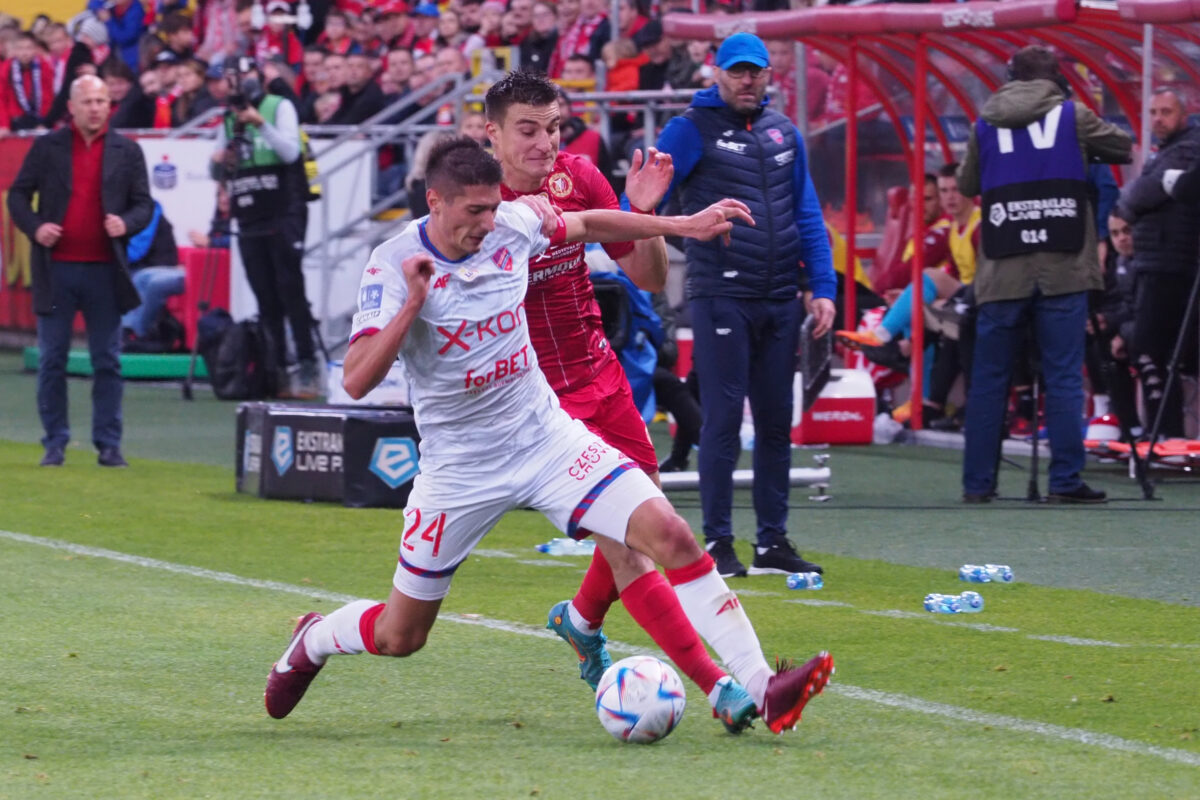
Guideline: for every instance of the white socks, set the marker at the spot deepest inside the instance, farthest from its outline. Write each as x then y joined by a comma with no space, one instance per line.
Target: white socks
717,615
581,624
338,632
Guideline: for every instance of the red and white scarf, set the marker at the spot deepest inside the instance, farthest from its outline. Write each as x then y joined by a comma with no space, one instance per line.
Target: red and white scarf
577,39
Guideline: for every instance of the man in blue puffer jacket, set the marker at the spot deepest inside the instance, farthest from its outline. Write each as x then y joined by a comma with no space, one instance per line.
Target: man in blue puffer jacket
743,294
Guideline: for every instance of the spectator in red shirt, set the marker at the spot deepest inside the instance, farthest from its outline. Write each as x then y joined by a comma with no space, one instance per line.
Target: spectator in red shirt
27,86
79,234
629,19
522,20
336,36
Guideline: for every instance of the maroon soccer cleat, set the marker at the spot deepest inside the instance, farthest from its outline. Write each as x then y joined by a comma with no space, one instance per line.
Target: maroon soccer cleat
790,688
292,673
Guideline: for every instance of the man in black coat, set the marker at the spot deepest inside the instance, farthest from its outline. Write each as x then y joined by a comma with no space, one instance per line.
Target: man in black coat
1166,250
92,194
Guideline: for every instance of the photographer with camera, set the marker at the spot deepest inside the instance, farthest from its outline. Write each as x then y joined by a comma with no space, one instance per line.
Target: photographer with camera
258,155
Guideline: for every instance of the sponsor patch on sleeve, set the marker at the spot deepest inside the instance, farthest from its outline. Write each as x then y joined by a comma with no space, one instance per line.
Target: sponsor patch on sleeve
370,297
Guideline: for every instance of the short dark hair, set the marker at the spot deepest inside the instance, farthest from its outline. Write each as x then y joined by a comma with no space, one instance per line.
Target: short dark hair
174,23
115,67
460,162
931,179
581,57
949,170
527,88
1034,62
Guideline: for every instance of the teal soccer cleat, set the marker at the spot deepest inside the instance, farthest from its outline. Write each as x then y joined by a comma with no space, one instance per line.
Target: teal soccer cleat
735,707
593,656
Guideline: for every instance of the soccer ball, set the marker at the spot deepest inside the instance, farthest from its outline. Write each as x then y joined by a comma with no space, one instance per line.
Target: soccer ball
640,699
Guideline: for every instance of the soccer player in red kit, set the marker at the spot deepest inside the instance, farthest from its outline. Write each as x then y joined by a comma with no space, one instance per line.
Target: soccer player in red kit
567,333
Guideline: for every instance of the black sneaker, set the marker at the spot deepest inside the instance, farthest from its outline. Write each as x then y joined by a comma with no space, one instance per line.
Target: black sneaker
673,464
728,565
887,355
54,456
780,558
976,499
1084,494
111,457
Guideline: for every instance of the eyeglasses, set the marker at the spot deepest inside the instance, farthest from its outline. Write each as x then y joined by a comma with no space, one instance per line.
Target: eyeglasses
740,71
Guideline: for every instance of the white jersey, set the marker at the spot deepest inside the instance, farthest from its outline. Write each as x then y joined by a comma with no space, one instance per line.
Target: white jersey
473,374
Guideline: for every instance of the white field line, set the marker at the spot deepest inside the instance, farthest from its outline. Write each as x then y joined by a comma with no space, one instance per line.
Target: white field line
914,704
957,622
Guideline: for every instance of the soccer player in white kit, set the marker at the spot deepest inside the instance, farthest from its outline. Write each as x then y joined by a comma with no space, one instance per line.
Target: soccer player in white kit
446,297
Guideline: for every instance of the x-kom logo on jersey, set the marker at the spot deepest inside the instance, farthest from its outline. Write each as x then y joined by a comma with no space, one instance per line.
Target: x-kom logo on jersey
468,333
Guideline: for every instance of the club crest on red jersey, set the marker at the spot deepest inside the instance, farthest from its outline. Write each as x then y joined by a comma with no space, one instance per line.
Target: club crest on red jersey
503,259
560,185
776,135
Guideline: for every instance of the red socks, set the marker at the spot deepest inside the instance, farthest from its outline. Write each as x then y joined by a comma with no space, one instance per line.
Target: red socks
598,591
654,606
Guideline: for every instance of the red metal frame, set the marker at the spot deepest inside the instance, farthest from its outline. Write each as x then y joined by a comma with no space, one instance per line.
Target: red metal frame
885,33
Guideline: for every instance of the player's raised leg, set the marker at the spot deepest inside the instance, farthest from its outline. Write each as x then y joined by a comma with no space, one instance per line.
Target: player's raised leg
398,628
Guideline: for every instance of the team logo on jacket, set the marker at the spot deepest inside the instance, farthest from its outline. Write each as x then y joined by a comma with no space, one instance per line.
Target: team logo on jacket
503,259
560,185
776,135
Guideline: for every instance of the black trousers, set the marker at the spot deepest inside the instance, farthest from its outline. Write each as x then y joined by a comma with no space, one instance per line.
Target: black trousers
678,398
1112,377
272,263
1160,300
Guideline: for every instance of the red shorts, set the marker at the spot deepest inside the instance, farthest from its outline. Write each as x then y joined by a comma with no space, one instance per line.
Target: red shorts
606,406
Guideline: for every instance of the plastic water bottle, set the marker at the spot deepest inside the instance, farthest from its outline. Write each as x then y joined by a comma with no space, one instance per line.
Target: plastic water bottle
805,580
970,602
985,573
965,603
1001,573
942,603
562,546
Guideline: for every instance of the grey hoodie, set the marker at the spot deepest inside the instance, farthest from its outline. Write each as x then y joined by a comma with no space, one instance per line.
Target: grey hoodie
1015,105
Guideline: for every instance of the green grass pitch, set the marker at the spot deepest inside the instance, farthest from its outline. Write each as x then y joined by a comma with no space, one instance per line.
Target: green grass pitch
140,610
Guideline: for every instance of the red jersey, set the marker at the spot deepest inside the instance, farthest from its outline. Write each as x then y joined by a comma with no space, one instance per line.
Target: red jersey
564,319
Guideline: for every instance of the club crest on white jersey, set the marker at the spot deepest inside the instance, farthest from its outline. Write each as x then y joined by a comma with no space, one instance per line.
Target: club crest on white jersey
473,374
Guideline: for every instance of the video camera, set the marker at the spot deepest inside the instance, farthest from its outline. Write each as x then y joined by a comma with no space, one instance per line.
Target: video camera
246,87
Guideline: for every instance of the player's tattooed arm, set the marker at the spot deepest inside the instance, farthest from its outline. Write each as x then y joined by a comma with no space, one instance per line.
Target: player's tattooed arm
370,357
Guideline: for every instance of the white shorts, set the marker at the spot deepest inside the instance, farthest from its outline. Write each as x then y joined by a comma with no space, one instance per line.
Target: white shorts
580,483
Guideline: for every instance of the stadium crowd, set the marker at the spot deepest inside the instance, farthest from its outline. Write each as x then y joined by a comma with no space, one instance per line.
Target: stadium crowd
165,61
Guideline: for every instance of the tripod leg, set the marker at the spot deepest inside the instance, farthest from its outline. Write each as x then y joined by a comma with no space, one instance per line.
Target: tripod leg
1032,494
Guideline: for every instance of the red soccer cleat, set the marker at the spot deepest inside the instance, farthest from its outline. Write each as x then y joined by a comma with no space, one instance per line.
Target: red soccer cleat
292,673
790,688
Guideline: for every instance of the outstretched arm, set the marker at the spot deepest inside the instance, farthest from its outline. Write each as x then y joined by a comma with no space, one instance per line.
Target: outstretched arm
370,357
604,225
